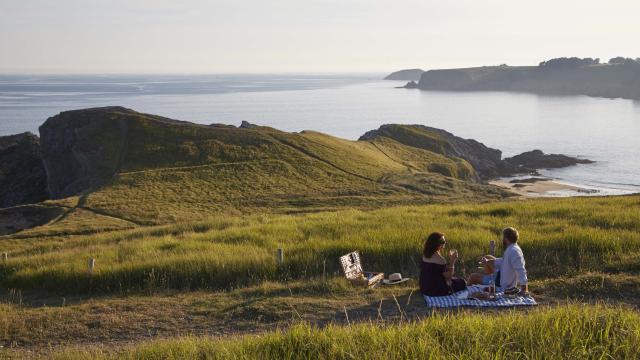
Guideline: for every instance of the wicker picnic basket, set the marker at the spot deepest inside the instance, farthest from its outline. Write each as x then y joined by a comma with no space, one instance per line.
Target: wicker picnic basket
352,268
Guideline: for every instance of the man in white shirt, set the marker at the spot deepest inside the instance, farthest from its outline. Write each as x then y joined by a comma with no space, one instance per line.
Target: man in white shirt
509,270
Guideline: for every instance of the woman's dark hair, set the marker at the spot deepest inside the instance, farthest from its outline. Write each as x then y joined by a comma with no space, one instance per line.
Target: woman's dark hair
432,244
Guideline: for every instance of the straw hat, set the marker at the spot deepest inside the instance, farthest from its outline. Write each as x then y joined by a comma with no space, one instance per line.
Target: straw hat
395,278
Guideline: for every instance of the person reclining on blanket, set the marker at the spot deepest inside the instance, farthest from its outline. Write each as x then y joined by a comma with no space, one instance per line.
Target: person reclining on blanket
508,271
436,277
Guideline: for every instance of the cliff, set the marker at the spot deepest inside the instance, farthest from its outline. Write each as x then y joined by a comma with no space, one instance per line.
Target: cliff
405,75
85,148
22,174
536,159
486,161
620,80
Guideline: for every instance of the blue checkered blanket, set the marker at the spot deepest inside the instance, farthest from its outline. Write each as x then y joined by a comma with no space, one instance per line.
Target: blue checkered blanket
460,299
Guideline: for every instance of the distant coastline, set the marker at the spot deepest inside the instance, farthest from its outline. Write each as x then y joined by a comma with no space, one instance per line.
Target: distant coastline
618,78
405,75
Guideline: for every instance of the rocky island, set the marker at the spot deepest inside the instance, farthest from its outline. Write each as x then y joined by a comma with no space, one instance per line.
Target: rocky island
617,78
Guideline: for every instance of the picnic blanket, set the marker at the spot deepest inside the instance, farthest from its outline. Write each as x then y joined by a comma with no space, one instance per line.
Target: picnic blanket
460,299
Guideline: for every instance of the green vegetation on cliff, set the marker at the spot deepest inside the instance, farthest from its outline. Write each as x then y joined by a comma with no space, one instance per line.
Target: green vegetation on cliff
147,170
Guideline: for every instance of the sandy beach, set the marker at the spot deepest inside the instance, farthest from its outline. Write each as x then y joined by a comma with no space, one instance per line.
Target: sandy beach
540,188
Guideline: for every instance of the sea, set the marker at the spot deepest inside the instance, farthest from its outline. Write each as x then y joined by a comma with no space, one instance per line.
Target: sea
347,105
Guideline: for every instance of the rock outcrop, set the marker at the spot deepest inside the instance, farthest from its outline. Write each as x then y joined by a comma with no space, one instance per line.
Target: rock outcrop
82,148
485,160
536,159
411,85
22,174
248,125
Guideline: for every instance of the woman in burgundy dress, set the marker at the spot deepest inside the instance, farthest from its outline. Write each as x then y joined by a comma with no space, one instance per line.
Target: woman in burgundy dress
436,276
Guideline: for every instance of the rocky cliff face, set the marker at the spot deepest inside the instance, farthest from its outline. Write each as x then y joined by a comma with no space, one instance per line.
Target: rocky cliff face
82,148
487,161
22,175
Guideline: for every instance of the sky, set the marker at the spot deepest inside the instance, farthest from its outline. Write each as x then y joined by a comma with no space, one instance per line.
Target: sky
288,36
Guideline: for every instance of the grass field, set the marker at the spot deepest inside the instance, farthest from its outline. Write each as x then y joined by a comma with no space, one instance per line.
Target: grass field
567,332
183,223
219,277
560,237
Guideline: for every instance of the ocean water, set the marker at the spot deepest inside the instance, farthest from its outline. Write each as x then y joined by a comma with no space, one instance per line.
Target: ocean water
344,105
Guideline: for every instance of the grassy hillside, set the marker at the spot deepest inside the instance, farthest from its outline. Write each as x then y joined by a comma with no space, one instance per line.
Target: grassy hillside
219,276
561,237
146,169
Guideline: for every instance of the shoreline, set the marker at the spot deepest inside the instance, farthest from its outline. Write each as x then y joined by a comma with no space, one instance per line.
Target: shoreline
542,187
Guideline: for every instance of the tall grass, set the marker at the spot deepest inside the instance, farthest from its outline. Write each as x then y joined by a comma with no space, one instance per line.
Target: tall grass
567,236
568,332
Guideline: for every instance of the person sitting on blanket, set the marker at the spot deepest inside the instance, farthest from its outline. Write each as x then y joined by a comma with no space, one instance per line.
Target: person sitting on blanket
508,271
436,276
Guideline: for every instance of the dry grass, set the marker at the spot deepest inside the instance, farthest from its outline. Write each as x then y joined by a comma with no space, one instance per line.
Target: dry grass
560,237
48,323
574,331
219,276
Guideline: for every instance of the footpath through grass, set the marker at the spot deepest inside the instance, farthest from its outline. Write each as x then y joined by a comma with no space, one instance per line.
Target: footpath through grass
559,237
567,332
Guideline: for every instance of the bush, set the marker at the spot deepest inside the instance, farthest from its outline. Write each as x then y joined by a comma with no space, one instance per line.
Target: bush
573,62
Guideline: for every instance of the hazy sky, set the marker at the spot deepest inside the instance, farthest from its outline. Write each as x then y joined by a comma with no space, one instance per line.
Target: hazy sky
198,36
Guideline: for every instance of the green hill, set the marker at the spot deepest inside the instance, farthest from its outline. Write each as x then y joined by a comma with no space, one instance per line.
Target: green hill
148,169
